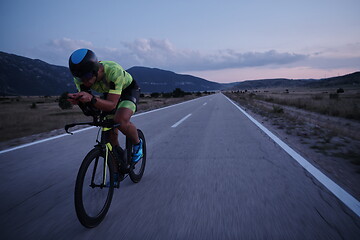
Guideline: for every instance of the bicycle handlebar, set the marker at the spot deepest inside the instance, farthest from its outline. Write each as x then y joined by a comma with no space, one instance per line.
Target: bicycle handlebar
104,124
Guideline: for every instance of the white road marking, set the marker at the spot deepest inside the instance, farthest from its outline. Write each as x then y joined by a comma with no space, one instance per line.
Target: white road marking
43,140
180,121
340,193
204,104
84,129
159,109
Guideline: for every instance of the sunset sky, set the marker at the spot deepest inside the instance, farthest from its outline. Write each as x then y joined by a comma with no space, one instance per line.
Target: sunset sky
222,41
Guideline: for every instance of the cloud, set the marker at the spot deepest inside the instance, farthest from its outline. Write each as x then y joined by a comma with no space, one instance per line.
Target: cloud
57,51
322,62
68,44
163,54
232,59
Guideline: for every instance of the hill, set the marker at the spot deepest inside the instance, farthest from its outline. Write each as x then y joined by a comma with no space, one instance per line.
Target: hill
341,81
157,80
25,76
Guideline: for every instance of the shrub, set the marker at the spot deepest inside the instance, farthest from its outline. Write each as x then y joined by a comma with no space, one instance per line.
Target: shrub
317,97
269,99
277,109
334,95
340,90
178,93
63,102
167,95
33,106
155,95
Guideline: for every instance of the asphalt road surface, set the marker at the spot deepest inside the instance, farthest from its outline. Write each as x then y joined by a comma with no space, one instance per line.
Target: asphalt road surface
211,174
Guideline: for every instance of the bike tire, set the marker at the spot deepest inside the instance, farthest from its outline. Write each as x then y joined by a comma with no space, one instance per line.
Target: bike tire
138,169
85,194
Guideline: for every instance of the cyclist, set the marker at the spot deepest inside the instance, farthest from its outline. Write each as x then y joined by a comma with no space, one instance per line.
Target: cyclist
121,94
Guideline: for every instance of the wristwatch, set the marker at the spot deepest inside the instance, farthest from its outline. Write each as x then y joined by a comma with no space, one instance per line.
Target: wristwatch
93,100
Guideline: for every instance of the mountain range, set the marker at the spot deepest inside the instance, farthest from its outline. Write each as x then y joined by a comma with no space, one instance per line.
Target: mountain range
157,80
352,79
24,76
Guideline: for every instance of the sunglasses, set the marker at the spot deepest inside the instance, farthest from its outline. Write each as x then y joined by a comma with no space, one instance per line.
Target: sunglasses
86,77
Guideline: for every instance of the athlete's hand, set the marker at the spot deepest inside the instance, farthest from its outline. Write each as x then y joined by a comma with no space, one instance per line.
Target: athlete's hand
73,98
84,97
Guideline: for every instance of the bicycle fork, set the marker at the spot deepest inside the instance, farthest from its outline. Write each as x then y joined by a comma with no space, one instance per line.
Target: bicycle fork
108,148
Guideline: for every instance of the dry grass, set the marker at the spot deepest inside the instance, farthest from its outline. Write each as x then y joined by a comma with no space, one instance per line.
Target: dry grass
25,116
323,101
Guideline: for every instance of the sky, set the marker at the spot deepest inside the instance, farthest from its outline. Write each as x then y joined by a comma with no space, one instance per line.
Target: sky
222,41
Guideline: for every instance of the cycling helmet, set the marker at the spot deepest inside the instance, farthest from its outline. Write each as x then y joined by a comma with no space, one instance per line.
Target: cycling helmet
83,62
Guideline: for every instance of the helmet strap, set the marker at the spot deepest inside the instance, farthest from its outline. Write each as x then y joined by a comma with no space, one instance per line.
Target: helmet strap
96,75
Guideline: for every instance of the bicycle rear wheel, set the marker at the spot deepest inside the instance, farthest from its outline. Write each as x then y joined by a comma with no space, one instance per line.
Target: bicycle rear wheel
92,196
138,169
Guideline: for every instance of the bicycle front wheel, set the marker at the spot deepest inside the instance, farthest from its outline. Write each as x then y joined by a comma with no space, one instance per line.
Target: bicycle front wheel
92,195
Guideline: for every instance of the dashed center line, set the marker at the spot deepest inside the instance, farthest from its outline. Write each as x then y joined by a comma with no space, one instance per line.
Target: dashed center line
180,121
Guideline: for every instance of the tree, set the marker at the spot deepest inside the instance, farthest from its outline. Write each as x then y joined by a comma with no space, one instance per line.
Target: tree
178,93
155,95
33,106
340,90
63,101
166,95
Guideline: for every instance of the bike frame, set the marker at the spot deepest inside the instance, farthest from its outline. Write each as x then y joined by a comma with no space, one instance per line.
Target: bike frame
104,144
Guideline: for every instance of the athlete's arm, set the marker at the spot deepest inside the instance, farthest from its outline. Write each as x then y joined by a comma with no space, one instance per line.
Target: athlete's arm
107,104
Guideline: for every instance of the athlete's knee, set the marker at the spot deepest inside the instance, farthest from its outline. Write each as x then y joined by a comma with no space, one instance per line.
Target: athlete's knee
123,121
122,117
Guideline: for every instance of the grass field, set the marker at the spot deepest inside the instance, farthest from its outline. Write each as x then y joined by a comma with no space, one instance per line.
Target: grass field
24,116
323,101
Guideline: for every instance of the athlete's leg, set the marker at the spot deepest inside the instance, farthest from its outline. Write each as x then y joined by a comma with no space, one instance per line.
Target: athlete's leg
113,137
123,116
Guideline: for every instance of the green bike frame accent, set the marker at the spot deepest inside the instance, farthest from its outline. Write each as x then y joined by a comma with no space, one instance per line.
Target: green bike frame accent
108,148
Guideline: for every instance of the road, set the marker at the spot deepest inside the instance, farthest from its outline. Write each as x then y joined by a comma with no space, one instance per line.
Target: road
211,174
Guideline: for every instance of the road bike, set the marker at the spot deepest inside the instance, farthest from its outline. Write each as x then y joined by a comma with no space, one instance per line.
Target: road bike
94,185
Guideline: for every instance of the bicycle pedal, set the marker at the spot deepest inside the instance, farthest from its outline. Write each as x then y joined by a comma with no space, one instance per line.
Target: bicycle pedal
125,171
122,177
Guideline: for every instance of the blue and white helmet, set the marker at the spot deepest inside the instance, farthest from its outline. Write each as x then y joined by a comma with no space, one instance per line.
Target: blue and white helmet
83,62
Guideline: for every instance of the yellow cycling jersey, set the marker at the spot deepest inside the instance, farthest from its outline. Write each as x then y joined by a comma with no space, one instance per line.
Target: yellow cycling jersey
115,80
